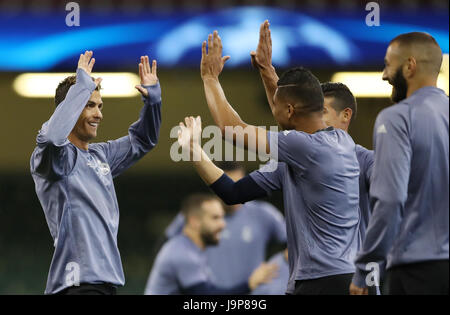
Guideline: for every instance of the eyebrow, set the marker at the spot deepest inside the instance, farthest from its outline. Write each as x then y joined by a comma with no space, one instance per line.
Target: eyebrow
93,103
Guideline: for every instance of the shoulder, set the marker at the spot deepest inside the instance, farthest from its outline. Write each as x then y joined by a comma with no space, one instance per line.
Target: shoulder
395,113
170,251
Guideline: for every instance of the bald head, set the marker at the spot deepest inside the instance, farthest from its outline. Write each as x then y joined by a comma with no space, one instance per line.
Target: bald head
413,60
422,47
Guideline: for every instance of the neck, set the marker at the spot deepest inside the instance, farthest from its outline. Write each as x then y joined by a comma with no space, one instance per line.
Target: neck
232,209
84,145
194,236
310,124
418,84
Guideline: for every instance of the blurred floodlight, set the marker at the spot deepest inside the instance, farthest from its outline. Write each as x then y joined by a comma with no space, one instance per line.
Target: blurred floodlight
119,84
370,84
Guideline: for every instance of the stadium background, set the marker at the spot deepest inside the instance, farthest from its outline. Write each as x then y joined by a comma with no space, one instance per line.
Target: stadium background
150,192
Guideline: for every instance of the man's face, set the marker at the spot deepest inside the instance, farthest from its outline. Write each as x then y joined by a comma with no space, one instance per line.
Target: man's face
90,118
330,116
212,222
281,112
393,73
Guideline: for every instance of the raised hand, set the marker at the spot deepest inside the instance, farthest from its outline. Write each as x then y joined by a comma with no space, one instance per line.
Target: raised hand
147,74
86,62
262,57
212,61
189,135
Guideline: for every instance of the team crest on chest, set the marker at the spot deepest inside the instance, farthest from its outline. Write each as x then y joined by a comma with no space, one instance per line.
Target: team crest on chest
99,167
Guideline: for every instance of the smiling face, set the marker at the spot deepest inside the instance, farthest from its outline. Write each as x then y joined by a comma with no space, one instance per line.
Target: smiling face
334,118
393,72
86,127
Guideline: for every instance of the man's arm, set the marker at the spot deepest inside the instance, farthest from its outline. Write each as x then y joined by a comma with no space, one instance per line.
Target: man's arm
229,191
264,273
262,59
247,136
388,192
57,129
144,133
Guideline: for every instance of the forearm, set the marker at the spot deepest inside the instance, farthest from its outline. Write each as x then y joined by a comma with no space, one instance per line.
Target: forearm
222,112
270,78
205,168
68,111
145,132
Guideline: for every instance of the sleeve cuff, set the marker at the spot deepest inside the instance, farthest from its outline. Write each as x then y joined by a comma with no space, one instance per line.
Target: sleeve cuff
154,93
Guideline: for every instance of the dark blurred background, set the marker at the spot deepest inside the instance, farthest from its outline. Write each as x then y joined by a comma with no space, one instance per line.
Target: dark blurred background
149,194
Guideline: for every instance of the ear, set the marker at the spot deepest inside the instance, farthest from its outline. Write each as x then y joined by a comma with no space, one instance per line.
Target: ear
290,111
410,67
346,115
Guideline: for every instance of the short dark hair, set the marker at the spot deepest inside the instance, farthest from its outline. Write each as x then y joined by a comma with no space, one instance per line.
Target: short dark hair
433,50
229,166
193,203
300,86
343,97
64,86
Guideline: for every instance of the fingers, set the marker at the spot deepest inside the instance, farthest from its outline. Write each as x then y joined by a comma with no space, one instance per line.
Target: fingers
210,43
198,121
98,81
141,71
261,31
204,49
147,65
154,67
225,59
85,61
91,64
188,122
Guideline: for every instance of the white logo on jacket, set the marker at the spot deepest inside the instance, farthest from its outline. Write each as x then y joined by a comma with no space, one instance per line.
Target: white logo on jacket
382,129
247,235
100,168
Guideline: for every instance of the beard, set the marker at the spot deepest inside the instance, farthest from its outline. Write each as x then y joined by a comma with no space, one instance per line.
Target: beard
399,86
209,238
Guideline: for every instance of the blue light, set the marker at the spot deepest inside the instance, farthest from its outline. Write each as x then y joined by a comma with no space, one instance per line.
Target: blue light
45,43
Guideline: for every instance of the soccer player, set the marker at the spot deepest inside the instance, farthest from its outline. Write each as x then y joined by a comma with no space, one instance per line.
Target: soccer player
409,228
74,179
317,171
278,284
340,110
181,266
249,230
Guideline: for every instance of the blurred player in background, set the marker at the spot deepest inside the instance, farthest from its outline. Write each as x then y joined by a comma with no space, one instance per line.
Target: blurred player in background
250,228
74,179
181,266
278,285
409,229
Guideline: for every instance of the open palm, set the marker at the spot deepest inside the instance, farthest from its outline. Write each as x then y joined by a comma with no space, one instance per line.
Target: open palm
147,74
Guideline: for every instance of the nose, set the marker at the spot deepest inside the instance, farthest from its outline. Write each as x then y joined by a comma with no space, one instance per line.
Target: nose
98,113
385,77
